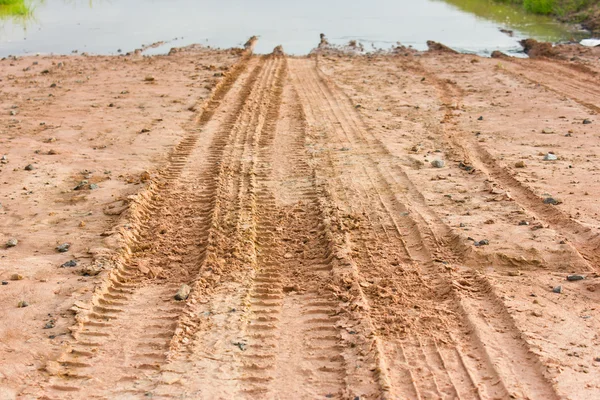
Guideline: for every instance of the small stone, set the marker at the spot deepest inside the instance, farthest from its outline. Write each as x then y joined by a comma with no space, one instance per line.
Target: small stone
288,256
50,324
149,78
466,167
23,304
536,313
520,164
16,277
4,283
183,292
490,222
550,157
69,264
13,112
81,224
63,248
586,121
523,222
480,118
575,277
29,167
12,242
241,345
438,163
462,225
548,131
557,289
345,149
515,273
91,270
93,186
552,201
81,185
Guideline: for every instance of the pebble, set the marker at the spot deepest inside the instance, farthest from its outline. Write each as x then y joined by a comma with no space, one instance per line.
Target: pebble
183,292
586,121
23,304
81,185
438,163
4,160
29,167
520,164
288,256
16,277
93,186
13,112
552,200
50,324
12,242
575,277
557,289
63,248
149,78
480,118
523,222
547,131
241,345
465,167
550,157
483,242
4,283
68,264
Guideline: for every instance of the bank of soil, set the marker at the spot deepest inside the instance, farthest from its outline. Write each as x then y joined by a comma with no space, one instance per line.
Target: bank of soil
395,225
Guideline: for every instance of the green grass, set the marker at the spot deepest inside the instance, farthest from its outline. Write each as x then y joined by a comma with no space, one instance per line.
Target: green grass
14,9
554,7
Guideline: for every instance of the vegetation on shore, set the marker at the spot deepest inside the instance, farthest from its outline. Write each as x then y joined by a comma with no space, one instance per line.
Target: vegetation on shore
586,12
14,8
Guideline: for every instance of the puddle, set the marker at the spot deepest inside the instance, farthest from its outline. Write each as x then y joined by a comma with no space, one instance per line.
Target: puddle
104,27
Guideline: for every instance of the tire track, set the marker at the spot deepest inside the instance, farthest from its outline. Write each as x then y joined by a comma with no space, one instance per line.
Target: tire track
585,94
126,329
582,239
422,286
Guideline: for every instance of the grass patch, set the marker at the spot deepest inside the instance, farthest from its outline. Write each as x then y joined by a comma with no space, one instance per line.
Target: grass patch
554,7
14,8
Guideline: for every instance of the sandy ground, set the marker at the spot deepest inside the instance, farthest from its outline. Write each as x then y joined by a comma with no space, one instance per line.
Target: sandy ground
335,226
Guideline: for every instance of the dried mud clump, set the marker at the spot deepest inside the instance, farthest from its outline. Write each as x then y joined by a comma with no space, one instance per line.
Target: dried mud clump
278,51
324,42
498,54
535,49
435,46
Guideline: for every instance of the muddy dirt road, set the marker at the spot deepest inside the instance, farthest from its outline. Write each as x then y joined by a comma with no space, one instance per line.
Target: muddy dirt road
334,226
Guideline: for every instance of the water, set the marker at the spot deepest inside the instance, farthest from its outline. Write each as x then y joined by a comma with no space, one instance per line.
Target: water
104,26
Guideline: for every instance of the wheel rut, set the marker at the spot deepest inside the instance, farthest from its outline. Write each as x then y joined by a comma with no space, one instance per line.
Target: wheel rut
125,333
583,240
316,267
410,296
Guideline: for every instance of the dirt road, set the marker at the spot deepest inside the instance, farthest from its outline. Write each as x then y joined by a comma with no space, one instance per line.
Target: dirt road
352,227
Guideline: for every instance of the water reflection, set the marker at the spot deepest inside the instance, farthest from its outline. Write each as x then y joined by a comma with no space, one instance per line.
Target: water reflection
511,16
104,26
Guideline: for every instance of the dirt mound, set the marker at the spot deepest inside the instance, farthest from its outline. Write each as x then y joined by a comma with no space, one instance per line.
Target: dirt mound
435,46
535,49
